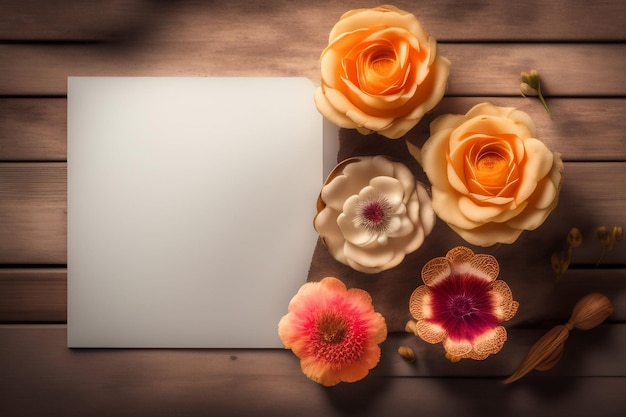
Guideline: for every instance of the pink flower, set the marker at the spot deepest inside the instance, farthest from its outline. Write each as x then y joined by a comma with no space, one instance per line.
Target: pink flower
462,304
334,331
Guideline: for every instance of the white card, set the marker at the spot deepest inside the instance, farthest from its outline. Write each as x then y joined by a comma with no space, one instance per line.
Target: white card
190,208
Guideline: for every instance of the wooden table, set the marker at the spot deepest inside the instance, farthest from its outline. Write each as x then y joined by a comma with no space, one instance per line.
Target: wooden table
577,46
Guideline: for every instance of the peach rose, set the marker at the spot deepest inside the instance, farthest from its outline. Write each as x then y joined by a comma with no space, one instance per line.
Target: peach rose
491,179
372,213
380,72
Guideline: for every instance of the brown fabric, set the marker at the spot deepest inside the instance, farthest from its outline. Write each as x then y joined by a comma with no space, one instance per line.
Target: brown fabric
391,289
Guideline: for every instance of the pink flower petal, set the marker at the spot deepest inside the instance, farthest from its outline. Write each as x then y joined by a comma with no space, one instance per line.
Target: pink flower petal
334,331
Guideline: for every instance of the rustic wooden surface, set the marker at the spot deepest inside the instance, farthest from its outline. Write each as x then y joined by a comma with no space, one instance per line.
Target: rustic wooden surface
578,47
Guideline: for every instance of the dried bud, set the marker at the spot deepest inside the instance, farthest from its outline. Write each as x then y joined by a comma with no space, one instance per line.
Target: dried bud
531,86
527,90
410,327
531,79
574,237
407,353
608,240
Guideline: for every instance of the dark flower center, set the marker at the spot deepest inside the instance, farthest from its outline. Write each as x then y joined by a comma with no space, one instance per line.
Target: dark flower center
340,338
332,329
374,215
463,305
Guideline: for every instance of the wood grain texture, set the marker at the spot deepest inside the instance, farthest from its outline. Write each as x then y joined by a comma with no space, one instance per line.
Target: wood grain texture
481,69
39,295
42,377
537,20
33,213
36,129
33,129
579,49
33,295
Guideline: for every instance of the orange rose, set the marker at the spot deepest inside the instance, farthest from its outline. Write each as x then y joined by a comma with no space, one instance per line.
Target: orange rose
380,72
491,178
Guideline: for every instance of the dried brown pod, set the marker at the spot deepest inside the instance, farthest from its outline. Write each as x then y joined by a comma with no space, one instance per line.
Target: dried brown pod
407,353
608,240
589,311
410,327
561,260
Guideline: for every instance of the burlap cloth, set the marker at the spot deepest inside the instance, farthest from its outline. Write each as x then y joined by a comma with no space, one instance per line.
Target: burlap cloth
390,289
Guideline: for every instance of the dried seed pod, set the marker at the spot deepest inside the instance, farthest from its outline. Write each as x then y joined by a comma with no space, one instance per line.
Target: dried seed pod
574,238
588,312
410,327
407,353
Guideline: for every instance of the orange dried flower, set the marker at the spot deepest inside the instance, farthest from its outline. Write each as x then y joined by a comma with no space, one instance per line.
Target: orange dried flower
334,331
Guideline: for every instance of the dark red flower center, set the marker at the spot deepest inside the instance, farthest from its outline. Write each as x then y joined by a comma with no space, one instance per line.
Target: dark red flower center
374,215
463,305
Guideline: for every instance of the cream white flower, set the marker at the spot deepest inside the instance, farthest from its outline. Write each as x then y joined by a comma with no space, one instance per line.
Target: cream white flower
491,178
372,212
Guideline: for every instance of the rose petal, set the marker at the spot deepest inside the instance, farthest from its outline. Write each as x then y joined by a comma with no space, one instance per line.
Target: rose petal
538,164
386,16
330,112
488,234
483,213
447,122
446,205
426,213
434,161
344,106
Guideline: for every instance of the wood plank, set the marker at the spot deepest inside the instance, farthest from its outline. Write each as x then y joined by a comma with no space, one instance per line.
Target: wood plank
39,295
481,69
33,129
591,353
36,129
43,377
33,213
33,295
33,220
104,20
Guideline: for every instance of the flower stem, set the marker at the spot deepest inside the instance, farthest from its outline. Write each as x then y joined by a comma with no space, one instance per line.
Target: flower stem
543,101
